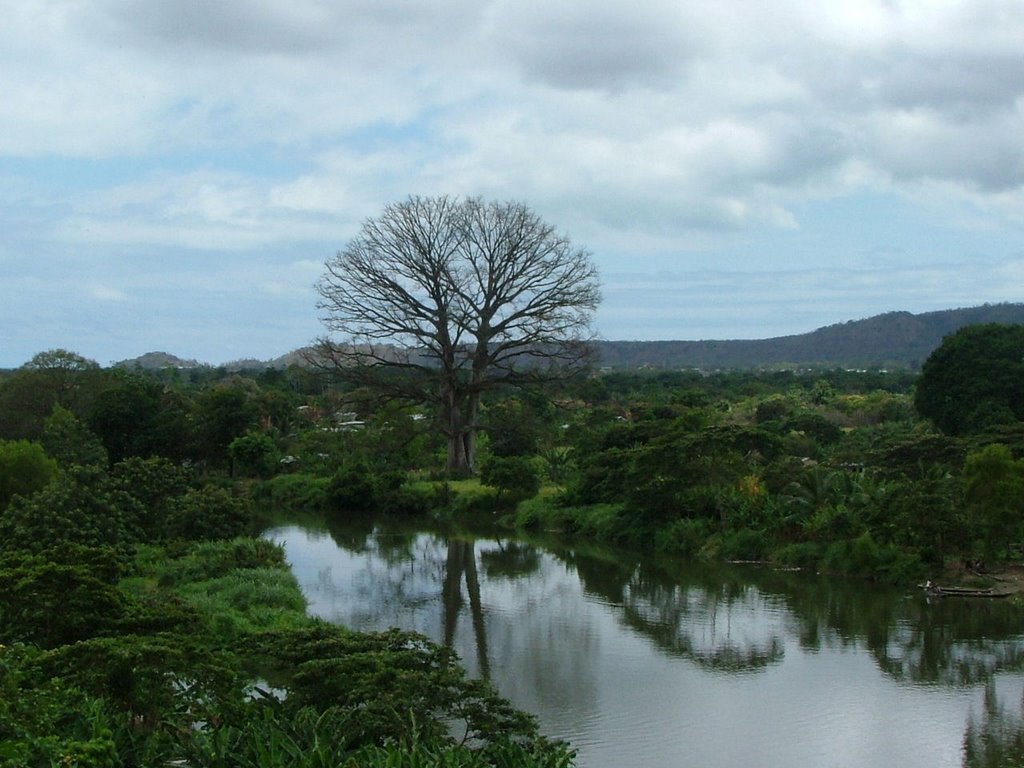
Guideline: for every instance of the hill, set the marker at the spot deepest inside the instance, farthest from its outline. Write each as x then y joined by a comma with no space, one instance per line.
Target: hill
890,340
156,361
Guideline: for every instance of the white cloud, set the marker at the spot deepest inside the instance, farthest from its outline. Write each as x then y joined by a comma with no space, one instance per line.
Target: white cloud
653,131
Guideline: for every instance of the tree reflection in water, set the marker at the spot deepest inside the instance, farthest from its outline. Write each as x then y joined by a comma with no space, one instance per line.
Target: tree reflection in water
728,619
997,741
460,565
723,620
737,619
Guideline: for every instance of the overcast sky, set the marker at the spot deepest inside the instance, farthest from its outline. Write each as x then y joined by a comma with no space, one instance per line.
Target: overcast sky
174,173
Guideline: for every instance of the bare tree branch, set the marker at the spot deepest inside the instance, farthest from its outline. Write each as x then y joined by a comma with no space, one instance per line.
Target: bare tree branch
439,299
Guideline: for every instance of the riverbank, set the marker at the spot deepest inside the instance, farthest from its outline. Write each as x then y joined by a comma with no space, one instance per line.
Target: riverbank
1004,582
857,555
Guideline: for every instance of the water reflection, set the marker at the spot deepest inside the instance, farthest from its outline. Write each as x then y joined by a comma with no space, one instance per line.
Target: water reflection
460,565
620,654
997,739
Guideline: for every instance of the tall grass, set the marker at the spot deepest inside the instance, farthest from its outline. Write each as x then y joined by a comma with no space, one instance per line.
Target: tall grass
241,585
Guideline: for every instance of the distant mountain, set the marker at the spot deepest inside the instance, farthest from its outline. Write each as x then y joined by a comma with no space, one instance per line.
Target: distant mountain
157,361
891,340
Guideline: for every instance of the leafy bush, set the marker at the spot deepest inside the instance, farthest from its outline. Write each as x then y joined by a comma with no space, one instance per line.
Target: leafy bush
47,722
866,558
684,537
401,685
209,513
803,554
469,496
81,506
745,544
24,469
297,491
253,454
515,477
351,489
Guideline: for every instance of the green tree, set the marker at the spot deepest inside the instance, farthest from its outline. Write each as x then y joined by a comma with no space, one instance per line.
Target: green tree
515,477
974,380
81,506
441,300
994,494
59,597
70,442
253,454
135,416
222,413
398,685
513,428
55,377
24,469
209,513
155,484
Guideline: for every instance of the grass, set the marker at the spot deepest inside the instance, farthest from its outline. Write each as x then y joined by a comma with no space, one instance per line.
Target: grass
241,585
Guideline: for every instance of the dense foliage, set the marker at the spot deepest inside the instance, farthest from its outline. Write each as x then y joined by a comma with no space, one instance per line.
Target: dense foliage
975,380
140,623
140,626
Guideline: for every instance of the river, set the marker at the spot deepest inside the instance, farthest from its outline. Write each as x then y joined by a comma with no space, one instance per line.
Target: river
658,664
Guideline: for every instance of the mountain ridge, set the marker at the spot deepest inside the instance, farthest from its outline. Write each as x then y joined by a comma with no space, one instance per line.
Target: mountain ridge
897,339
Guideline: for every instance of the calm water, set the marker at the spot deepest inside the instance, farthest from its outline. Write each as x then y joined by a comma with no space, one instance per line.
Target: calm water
656,665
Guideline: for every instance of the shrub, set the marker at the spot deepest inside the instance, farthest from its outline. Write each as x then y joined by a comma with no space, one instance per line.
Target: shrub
24,469
745,544
804,554
81,506
253,454
297,492
684,537
209,513
351,489
515,477
46,722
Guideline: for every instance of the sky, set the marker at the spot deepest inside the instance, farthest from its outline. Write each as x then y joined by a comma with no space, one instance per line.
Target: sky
175,173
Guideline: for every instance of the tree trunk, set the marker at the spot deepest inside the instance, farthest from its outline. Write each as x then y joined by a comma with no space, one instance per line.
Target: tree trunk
459,464
460,450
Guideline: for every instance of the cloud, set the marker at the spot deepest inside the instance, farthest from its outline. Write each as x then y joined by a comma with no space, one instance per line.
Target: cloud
709,304
604,46
679,136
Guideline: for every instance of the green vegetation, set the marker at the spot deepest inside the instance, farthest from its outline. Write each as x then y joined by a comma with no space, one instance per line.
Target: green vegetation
975,380
143,623
140,624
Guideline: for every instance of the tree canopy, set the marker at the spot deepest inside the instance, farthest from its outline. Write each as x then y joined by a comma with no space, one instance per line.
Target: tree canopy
974,380
438,300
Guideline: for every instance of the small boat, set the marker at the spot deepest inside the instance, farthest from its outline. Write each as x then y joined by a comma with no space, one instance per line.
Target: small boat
934,589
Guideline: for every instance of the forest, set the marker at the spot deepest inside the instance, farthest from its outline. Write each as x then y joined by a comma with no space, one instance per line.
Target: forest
144,620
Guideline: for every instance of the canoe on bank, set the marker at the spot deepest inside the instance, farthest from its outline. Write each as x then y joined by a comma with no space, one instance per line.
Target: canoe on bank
937,591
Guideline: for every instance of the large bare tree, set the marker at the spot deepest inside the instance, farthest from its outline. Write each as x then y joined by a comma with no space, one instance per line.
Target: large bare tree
440,299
